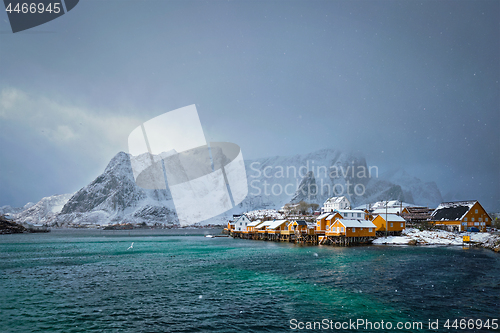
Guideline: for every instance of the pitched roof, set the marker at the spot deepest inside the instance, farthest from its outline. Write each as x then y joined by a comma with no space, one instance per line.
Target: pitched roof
264,224
392,218
349,211
239,218
322,216
452,211
254,223
336,199
275,224
357,223
392,210
301,222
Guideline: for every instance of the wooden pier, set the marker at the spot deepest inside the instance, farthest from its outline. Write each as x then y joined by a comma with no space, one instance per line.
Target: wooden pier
310,237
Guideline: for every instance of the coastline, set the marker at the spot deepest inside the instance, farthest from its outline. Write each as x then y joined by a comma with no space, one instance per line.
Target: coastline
414,236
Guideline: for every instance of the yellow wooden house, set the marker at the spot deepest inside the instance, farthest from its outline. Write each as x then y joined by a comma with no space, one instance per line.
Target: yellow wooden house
461,215
394,223
276,226
351,228
253,226
300,226
325,220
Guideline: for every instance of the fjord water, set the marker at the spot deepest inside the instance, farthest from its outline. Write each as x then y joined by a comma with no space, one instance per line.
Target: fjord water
180,281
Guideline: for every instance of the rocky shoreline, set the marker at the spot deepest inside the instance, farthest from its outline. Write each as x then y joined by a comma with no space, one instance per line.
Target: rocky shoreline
10,227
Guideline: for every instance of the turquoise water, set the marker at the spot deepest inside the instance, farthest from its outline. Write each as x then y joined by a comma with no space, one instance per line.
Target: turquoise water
177,281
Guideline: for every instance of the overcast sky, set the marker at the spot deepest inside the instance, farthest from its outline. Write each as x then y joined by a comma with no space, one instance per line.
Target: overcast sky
410,84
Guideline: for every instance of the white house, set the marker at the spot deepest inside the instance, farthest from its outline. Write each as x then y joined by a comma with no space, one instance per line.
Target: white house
241,223
335,203
353,214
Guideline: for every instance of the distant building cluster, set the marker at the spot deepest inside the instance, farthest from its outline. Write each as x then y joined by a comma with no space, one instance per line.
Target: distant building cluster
337,223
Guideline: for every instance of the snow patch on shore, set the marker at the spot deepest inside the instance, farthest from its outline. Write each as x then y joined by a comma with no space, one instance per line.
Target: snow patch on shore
440,237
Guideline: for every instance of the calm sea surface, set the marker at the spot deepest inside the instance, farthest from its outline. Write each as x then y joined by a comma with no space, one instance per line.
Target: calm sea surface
180,281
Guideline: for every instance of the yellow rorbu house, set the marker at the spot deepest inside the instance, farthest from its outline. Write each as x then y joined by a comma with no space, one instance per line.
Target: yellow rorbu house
300,226
351,228
276,226
253,225
324,220
461,215
394,224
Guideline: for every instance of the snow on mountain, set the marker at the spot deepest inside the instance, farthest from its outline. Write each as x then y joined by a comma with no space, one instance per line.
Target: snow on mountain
422,193
113,197
14,210
44,211
312,177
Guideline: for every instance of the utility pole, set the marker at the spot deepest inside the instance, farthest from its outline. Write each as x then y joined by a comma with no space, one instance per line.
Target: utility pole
386,222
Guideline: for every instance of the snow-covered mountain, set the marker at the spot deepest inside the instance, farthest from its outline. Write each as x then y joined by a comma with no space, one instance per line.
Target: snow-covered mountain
414,190
114,197
14,210
44,211
326,173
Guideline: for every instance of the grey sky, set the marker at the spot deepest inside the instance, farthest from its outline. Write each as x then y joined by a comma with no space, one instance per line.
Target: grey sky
411,84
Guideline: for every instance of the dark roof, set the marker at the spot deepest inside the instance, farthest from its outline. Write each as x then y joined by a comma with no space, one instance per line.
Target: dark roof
452,211
302,222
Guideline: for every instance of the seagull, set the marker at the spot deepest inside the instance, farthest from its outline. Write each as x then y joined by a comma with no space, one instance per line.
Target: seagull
131,246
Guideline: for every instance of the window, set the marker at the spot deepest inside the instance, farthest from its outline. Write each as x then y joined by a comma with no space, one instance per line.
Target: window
370,229
464,223
472,219
476,211
486,219
353,230
476,223
465,219
342,229
391,225
401,225
359,214
480,219
360,228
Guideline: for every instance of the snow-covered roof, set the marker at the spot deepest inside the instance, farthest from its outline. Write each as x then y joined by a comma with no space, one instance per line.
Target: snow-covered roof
331,216
452,211
381,211
342,211
335,199
275,224
322,216
241,217
357,223
382,204
254,223
264,224
393,218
